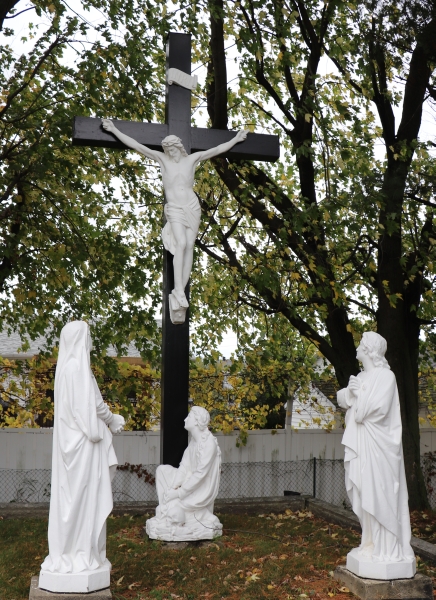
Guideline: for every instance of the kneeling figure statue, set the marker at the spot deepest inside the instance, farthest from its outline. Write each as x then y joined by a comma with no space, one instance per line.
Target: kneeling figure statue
374,467
187,494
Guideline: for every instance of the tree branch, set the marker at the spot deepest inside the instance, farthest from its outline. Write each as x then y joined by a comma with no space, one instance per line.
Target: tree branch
57,42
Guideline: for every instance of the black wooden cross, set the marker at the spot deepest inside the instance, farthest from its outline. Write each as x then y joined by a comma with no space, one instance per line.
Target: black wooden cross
175,338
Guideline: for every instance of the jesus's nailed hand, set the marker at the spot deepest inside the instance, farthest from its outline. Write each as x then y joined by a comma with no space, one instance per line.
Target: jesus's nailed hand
108,125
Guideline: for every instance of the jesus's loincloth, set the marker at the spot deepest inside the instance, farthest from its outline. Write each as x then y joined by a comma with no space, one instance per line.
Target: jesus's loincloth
188,215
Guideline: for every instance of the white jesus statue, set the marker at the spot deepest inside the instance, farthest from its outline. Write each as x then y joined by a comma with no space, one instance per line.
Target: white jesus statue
182,209
374,467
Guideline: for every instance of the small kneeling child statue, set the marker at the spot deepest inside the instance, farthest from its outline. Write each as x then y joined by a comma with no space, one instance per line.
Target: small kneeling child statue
187,494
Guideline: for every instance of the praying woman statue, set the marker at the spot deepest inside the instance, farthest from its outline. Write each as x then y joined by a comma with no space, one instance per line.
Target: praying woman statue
374,467
83,466
187,494
182,209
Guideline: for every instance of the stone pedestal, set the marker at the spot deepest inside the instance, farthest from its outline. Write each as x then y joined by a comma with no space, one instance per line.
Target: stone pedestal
365,566
37,594
419,587
157,529
82,582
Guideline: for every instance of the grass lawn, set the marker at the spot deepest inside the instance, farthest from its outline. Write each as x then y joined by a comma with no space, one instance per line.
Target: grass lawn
274,556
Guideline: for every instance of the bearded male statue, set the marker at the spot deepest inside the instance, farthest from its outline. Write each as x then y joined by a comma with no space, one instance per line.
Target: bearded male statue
182,209
374,467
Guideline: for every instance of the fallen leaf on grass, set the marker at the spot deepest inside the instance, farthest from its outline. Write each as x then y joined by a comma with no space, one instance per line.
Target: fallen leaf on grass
334,535
214,545
11,579
120,580
253,577
278,524
132,585
283,556
330,594
344,589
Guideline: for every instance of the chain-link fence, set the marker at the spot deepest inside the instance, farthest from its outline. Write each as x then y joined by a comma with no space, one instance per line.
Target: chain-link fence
322,479
428,465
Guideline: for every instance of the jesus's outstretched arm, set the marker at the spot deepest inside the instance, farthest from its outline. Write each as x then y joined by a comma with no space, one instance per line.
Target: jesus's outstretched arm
211,152
130,142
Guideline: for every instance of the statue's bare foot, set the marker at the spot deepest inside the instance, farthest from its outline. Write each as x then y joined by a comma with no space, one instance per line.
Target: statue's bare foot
181,298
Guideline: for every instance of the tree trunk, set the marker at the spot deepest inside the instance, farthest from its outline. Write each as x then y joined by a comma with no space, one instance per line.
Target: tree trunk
402,339
398,324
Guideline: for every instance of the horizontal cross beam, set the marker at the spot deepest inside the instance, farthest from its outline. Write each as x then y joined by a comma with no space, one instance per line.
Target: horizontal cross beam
87,131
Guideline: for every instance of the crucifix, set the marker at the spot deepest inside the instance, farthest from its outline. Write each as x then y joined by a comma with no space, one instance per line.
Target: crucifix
182,145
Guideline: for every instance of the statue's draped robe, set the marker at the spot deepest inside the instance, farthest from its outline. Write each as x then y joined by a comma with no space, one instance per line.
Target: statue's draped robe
374,466
83,461
197,479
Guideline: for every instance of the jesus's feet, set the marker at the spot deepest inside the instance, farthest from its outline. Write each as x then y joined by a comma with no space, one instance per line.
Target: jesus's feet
181,298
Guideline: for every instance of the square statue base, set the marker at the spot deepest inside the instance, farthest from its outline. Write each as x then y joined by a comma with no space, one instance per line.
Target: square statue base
419,587
82,582
36,593
366,567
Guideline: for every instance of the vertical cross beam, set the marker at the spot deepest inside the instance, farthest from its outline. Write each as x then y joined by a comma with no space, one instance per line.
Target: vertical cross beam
175,338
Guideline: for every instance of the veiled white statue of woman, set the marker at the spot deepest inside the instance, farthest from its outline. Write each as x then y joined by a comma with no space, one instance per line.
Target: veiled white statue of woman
374,467
83,466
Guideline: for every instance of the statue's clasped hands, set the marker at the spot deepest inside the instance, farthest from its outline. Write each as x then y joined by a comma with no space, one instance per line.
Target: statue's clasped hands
354,384
170,494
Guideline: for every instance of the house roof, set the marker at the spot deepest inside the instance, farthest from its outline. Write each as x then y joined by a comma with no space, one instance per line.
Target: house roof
10,347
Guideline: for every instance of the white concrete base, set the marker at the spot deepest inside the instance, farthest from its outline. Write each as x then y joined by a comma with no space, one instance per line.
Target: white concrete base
364,566
82,582
157,529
